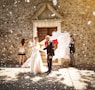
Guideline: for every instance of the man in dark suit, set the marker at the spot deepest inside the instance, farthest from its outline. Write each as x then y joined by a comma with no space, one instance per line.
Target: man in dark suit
72,51
50,52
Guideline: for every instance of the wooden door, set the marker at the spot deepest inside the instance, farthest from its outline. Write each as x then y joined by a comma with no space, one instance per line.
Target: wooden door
42,32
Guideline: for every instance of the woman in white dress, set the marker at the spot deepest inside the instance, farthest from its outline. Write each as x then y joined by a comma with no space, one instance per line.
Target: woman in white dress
35,61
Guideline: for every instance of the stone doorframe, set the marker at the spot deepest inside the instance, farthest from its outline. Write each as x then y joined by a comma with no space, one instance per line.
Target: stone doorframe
47,23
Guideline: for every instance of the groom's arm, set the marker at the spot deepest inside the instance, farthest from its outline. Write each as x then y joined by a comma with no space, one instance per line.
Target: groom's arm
45,48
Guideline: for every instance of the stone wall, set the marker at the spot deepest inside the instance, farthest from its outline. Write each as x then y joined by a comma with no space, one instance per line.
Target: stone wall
16,23
80,21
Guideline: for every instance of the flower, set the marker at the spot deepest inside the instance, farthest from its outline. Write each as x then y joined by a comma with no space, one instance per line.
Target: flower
41,44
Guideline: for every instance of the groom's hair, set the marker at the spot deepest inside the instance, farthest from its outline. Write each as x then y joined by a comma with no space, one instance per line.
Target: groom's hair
47,36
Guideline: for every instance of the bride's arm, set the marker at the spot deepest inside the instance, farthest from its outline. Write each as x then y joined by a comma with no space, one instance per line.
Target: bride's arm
41,48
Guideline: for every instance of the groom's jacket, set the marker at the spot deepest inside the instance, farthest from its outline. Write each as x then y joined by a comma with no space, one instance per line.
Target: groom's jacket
50,48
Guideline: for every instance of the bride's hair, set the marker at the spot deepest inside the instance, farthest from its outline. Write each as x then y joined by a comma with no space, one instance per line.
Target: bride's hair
36,38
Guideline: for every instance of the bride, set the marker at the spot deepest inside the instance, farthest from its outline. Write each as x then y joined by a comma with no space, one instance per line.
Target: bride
35,61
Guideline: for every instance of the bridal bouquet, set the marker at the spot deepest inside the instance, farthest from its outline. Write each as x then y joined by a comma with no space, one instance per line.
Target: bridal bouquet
41,44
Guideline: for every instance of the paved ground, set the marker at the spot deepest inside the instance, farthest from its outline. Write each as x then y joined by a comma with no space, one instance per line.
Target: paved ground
60,79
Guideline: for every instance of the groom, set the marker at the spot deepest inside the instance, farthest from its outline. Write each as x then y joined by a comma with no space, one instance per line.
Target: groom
50,52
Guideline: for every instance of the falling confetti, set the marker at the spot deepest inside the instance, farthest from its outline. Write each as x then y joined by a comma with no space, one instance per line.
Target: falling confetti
27,1
89,22
94,13
54,2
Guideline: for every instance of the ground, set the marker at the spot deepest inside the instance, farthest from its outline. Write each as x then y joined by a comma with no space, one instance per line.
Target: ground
69,78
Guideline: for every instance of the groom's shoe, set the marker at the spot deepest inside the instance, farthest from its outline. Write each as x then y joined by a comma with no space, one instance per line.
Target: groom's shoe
48,72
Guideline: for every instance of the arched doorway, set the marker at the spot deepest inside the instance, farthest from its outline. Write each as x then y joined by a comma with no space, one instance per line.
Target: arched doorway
44,27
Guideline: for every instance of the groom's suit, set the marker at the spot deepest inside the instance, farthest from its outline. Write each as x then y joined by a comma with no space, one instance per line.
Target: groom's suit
50,54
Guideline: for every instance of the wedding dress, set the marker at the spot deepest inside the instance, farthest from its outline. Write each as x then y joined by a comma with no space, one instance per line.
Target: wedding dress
35,61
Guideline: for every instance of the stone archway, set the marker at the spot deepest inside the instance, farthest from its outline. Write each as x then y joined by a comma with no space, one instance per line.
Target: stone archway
46,23
43,8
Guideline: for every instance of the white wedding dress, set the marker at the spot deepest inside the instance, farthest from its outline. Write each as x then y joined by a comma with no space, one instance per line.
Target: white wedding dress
35,61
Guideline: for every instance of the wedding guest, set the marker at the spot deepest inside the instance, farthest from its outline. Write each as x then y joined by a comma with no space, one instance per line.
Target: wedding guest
72,51
21,52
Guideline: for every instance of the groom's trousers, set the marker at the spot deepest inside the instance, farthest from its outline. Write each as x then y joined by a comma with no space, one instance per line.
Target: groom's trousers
49,62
